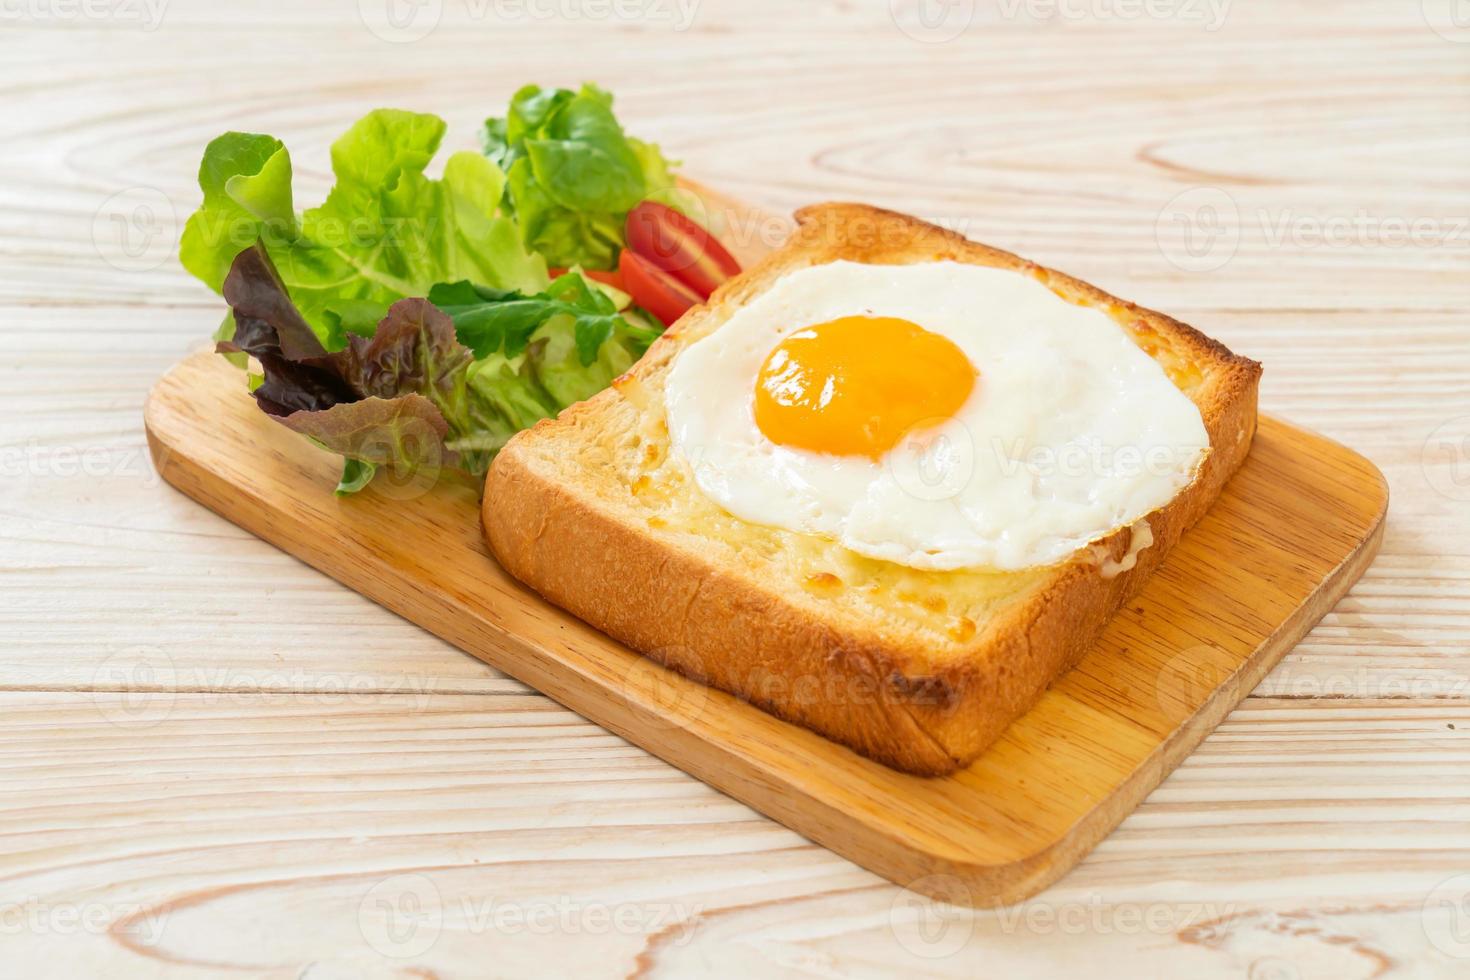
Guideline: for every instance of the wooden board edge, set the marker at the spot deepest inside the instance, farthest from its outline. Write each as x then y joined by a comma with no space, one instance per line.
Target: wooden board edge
1043,869
940,876
994,885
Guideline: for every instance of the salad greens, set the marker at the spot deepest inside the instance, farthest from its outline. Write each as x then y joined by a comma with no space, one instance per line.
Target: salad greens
572,174
489,319
430,386
409,320
386,231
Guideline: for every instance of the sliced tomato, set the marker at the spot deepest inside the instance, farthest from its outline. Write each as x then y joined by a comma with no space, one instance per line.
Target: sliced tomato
608,277
680,247
654,289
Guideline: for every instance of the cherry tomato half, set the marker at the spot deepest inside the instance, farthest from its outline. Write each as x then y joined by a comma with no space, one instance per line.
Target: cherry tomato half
654,289
680,247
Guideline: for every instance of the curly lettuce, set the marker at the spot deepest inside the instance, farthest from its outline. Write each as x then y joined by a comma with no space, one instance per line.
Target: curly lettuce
385,232
489,319
431,386
572,173
409,321
399,397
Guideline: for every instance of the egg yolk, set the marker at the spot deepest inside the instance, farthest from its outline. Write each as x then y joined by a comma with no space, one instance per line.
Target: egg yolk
857,385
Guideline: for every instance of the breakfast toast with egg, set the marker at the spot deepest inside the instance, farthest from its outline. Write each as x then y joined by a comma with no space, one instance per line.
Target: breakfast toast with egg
919,669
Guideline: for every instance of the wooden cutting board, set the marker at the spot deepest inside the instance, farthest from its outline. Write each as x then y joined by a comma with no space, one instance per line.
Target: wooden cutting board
1293,530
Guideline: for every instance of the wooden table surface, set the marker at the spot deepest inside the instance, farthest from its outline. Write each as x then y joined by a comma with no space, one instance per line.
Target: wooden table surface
215,762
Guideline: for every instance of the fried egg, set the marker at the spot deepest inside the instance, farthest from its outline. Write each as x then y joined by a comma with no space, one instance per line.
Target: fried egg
938,415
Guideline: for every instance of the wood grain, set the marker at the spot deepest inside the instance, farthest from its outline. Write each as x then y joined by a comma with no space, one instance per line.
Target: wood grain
1296,526
1334,799
245,833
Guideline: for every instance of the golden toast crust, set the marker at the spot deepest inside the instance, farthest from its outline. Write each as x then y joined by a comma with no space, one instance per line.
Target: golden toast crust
902,696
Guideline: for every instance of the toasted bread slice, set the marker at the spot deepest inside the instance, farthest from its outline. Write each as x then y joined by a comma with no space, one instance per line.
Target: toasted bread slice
917,669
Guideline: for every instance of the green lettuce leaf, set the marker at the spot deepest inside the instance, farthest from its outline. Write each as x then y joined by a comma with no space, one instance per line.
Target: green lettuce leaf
561,367
385,232
493,321
323,299
572,175
356,474
430,387
539,354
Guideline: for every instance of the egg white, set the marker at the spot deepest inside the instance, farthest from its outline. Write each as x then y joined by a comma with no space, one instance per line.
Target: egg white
1072,430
